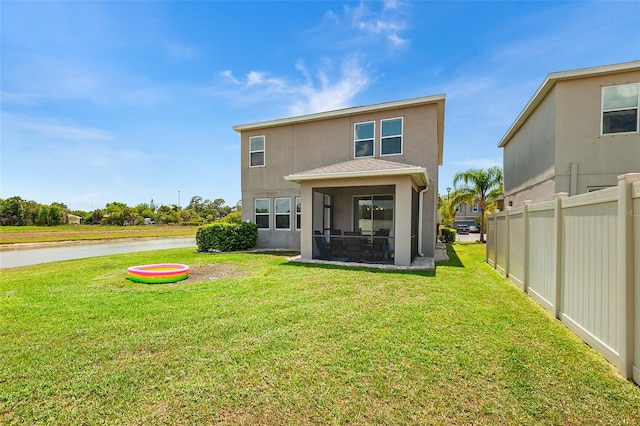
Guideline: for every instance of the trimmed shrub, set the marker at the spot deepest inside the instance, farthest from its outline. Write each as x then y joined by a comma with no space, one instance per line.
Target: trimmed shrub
221,236
448,235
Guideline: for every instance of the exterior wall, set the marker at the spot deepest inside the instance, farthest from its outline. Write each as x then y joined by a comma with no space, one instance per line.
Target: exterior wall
599,160
465,214
560,147
529,157
292,148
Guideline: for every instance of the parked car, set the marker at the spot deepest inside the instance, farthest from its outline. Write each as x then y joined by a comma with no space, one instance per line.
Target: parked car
475,229
463,229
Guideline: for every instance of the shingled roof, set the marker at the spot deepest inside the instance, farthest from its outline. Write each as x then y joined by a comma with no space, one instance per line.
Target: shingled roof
363,167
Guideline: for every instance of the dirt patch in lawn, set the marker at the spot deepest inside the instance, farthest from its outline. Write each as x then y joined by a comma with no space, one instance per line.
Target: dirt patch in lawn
213,271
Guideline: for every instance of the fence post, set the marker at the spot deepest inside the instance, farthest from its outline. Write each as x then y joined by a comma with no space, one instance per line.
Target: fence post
625,267
557,212
525,221
507,248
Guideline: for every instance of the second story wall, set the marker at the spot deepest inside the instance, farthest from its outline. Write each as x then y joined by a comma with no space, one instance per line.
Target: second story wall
305,145
529,157
597,158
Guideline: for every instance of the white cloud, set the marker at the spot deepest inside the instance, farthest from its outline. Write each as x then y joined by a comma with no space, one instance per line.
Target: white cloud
318,92
55,129
387,23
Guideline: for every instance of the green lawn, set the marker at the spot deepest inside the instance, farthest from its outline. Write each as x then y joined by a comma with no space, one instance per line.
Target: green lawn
287,343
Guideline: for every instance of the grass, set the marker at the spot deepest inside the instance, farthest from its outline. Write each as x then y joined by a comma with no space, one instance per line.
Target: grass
45,234
291,343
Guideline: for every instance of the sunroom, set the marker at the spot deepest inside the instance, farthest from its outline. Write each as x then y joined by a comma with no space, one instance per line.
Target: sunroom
363,210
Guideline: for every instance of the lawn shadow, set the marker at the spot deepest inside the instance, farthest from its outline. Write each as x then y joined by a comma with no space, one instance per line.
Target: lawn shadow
454,260
355,267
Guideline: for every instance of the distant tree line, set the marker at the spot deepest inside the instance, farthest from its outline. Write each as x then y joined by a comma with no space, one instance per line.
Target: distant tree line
15,211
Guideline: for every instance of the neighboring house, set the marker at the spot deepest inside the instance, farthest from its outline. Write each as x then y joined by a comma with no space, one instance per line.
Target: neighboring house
576,135
466,214
370,169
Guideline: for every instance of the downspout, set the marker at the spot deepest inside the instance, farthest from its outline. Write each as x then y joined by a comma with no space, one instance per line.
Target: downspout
420,214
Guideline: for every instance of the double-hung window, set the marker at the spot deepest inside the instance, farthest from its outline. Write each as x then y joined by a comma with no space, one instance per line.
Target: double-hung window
256,151
283,213
620,108
262,213
391,136
364,139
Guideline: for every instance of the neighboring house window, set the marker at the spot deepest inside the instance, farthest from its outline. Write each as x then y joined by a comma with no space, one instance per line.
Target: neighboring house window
391,136
256,149
475,208
262,213
298,212
283,213
364,139
620,109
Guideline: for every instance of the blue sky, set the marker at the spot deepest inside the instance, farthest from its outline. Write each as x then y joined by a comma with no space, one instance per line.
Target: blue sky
133,101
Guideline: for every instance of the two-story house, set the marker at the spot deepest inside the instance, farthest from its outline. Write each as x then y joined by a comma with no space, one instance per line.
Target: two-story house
357,183
578,132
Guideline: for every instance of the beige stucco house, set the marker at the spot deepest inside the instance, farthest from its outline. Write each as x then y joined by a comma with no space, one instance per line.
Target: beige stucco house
578,132
357,184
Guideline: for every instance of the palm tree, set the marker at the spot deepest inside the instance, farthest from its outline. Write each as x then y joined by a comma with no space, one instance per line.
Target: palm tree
480,186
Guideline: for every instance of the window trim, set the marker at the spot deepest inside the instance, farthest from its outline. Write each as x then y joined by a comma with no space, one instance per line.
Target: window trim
401,135
372,139
263,150
276,214
256,214
602,110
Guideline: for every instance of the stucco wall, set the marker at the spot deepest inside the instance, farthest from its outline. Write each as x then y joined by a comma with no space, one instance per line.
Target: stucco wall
599,159
529,156
297,147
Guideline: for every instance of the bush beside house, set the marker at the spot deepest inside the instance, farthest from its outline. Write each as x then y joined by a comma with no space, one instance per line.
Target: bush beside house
221,236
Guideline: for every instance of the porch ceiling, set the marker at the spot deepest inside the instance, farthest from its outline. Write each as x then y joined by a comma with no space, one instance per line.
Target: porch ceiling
363,167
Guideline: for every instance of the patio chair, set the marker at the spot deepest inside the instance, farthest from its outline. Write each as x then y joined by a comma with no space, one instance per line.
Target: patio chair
325,251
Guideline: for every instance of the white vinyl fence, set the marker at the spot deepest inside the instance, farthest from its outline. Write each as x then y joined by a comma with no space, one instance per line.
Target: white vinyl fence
579,257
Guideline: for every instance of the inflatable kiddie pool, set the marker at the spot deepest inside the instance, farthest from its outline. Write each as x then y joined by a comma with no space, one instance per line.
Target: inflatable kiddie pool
159,273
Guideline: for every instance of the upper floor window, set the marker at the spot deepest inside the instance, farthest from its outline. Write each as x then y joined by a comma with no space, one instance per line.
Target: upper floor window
283,213
391,136
620,109
262,212
364,139
256,150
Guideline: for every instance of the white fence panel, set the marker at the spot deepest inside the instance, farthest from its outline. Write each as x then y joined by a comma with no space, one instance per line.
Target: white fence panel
580,258
491,240
517,246
501,242
589,281
542,280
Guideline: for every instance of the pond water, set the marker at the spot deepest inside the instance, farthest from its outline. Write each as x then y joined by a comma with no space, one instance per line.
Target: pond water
23,257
